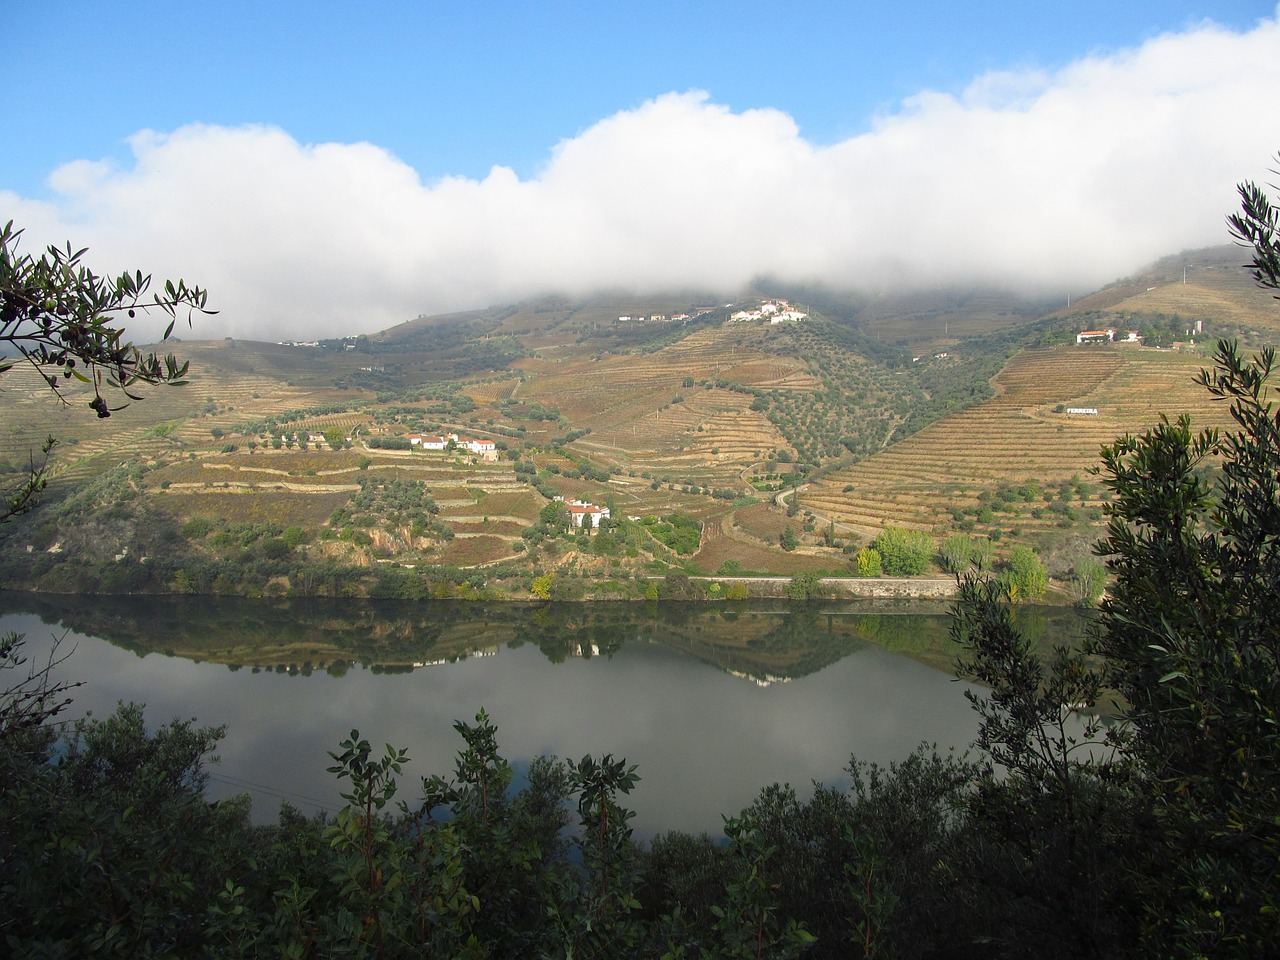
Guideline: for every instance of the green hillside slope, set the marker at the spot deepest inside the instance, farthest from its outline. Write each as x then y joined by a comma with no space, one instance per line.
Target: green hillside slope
284,468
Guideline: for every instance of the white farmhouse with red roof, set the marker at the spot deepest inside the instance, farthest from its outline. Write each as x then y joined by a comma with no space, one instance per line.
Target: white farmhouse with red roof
581,512
487,449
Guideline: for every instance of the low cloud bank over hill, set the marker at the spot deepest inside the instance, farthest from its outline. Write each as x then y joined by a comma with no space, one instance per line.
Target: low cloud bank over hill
1050,182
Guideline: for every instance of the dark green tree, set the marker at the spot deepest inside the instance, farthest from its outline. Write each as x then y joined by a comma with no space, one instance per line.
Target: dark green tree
1190,640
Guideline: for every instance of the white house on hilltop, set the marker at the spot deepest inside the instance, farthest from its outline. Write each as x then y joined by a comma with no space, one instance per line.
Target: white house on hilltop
1107,336
775,311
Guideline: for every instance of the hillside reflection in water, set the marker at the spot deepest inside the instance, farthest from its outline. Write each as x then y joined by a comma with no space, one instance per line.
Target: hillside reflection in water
711,702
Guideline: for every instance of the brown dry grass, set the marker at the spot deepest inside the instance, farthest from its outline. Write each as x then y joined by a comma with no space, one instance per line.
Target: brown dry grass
284,509
470,551
765,521
495,527
758,557
627,402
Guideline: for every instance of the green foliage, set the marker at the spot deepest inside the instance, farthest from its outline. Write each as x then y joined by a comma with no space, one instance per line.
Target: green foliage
903,553
787,539
57,313
109,846
676,585
1025,578
597,920
1190,640
197,528
1026,719
1088,580
395,504
679,531
749,923
805,586
959,553
1167,830
1064,812
868,561
389,443
555,516
361,840
1257,225
59,317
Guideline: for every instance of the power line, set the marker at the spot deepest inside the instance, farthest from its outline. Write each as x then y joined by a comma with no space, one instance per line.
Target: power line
262,788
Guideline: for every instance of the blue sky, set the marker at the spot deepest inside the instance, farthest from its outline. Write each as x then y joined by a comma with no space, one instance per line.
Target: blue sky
226,142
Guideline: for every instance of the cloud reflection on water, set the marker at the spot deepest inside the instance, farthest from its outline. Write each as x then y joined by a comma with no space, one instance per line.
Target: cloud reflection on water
705,741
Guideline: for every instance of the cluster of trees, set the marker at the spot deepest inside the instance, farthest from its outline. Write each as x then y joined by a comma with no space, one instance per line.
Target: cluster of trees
392,503
854,413
677,531
1069,504
960,554
459,345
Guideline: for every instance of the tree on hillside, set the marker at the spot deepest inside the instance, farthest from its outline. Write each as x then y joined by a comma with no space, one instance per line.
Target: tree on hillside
61,318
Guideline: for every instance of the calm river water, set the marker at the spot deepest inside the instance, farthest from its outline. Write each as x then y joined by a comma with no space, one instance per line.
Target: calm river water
711,701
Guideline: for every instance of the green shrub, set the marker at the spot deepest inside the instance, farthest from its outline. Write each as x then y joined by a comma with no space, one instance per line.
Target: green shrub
903,553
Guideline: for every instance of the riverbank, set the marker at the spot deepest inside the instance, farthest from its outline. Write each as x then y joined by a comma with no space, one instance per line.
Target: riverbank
850,588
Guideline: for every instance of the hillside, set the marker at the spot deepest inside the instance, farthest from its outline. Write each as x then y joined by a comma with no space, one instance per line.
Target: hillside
284,469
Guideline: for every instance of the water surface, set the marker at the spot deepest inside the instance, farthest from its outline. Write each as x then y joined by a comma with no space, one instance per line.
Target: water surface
710,702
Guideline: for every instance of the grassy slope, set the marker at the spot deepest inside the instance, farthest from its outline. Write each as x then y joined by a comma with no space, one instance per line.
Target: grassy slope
669,411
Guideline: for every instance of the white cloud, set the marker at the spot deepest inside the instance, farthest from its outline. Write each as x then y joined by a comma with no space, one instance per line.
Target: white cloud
1057,181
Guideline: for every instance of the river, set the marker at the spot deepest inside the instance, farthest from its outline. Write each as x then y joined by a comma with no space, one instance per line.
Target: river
710,701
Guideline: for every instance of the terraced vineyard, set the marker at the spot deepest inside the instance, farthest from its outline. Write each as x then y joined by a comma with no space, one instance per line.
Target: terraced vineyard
1014,438
144,429
167,421
642,414
649,421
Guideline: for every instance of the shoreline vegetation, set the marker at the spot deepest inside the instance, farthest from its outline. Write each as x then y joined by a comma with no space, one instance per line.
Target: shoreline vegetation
695,588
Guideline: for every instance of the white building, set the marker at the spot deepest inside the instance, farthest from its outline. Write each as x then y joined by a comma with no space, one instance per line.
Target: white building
581,512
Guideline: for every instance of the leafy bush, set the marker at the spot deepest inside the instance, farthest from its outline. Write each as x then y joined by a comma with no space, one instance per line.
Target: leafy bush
1025,578
869,563
903,553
